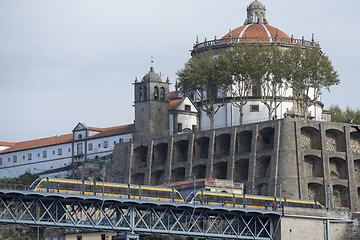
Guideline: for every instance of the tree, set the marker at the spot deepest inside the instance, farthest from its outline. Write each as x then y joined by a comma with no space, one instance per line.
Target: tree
274,84
345,116
205,77
237,66
311,71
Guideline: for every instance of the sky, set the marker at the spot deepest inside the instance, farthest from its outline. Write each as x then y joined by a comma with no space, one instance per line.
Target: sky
68,61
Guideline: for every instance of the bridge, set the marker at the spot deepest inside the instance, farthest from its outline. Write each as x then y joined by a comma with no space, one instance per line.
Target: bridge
134,216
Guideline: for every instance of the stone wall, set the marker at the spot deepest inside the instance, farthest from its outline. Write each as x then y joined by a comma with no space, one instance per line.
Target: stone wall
311,160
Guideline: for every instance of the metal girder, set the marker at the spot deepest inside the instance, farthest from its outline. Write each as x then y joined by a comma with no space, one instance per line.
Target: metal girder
136,217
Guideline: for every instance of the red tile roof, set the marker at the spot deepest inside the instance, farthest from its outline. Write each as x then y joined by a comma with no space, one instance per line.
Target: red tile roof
7,144
173,103
68,138
253,30
41,142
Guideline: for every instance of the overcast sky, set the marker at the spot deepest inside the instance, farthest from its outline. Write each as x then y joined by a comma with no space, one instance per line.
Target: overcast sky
69,61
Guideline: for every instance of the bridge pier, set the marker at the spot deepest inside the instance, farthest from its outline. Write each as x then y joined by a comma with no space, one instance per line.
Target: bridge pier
126,237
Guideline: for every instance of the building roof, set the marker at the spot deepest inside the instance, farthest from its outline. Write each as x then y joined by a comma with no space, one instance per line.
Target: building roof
173,103
7,144
255,30
67,138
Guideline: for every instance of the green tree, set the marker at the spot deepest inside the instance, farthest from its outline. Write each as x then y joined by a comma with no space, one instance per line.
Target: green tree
205,77
274,84
311,71
345,116
237,65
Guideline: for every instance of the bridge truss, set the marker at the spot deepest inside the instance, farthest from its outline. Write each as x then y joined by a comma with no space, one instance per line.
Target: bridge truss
135,216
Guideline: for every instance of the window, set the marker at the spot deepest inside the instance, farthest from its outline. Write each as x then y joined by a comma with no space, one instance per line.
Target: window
38,154
29,156
256,90
8,159
193,128
103,237
254,108
80,136
14,158
79,148
99,145
140,93
120,140
90,147
0,161
179,127
105,144
59,151
69,149
23,157
54,152
162,94
44,154
79,237
187,108
145,94
156,93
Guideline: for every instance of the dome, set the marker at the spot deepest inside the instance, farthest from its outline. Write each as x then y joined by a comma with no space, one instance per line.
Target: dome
255,30
151,76
256,5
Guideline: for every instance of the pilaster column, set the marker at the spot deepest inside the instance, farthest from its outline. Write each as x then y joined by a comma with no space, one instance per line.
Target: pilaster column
170,155
231,163
353,194
147,177
189,163
210,163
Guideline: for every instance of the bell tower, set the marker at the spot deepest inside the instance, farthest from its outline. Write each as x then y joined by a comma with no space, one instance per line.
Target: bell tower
151,107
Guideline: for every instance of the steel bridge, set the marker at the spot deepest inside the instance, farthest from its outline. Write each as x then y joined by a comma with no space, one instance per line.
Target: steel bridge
134,216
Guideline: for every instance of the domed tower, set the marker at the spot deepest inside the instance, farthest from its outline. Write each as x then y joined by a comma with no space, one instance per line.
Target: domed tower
255,31
151,107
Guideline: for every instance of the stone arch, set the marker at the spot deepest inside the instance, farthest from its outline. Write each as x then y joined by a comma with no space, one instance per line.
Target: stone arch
243,142
341,196
181,151
241,170
199,171
138,179
201,148
338,168
222,145
310,138
261,189
316,192
355,142
160,154
265,140
158,177
156,93
262,168
162,94
357,169
178,174
335,140
313,166
140,156
220,170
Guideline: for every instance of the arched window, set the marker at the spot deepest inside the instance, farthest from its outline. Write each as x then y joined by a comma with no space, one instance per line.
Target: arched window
162,94
145,97
156,93
80,136
140,93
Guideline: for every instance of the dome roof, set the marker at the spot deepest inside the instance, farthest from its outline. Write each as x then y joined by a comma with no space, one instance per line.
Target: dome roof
255,30
256,5
151,76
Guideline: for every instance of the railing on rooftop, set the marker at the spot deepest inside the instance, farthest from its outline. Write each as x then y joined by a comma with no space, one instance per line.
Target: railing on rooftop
224,42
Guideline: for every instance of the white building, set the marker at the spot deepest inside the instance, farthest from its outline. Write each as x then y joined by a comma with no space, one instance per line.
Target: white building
54,156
